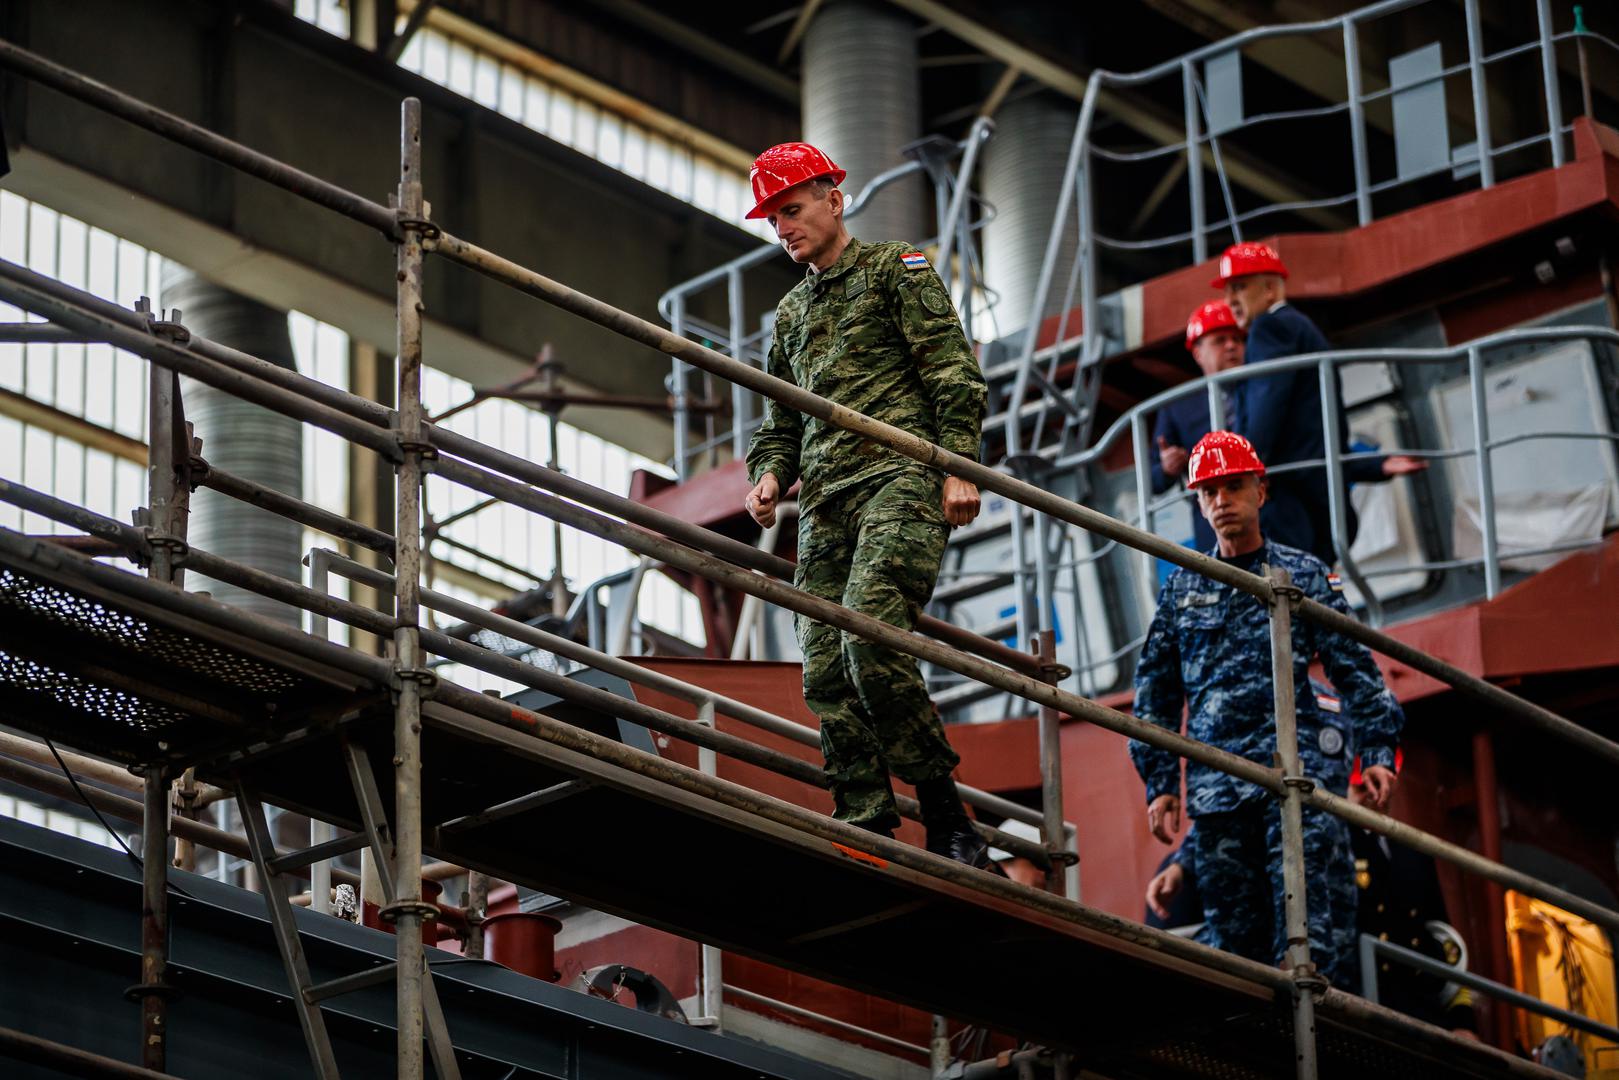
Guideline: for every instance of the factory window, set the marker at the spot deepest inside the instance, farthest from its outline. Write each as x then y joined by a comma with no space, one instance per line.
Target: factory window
330,15
610,137
92,449
516,537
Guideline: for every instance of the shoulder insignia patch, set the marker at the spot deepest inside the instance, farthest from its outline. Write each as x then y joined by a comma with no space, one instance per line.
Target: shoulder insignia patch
914,260
1336,582
935,301
854,284
1328,703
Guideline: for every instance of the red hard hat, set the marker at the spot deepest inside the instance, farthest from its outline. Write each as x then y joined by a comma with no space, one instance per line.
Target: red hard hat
1356,778
786,166
1247,258
1212,316
1222,453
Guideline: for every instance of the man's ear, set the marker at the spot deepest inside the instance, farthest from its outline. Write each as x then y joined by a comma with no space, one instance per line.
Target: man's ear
835,201
1264,490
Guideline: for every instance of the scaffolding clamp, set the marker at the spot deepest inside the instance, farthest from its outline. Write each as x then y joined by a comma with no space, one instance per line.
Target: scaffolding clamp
1301,784
420,908
1288,594
426,453
1061,856
1307,980
170,329
425,678
141,518
155,989
429,231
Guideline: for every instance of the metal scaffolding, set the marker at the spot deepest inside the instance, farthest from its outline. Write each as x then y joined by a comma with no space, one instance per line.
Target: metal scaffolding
338,683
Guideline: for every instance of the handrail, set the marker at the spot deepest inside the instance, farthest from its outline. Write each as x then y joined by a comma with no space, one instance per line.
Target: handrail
182,359
1336,357
456,250
1371,948
409,441
1077,177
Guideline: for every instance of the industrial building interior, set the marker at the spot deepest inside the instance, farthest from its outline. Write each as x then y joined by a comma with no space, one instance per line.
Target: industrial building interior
393,682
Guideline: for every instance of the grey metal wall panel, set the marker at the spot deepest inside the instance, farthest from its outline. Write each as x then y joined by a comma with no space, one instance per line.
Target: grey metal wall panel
1421,129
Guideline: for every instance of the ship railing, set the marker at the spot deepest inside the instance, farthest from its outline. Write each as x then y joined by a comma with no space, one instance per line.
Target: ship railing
1135,424
1076,243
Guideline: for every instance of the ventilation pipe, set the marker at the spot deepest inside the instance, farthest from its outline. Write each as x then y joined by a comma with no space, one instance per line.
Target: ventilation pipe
241,438
1022,176
862,103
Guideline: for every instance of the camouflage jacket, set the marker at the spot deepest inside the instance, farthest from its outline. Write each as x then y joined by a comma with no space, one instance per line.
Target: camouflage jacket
1209,647
876,333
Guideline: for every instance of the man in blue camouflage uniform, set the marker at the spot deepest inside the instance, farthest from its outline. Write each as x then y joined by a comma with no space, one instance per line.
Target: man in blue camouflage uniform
1176,885
871,328
1208,651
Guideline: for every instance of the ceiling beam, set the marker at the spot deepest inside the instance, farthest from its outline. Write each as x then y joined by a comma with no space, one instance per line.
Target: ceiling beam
1256,176
1153,201
795,33
997,95
705,47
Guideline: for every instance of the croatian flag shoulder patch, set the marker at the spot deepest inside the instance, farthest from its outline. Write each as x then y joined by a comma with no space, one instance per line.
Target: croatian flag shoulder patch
914,261
1328,703
1336,582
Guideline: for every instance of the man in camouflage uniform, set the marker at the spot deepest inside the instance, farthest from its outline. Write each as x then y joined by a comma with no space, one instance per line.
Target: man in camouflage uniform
871,328
1208,649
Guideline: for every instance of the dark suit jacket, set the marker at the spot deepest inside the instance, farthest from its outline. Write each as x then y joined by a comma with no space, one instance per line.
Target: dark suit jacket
1182,423
1285,516
1281,416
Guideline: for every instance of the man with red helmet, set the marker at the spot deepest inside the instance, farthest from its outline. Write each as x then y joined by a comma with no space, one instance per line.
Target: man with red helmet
872,328
1281,415
1207,652
1217,344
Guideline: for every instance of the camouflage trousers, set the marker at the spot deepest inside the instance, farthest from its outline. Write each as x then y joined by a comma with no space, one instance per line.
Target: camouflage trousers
1239,875
876,549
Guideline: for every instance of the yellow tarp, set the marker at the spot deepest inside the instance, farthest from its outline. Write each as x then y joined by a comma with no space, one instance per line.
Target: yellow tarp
1566,961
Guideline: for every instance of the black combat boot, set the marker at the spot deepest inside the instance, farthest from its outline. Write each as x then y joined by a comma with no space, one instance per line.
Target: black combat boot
950,831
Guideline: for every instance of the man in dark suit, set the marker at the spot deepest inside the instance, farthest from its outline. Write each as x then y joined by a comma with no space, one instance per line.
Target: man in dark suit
1281,415
1216,344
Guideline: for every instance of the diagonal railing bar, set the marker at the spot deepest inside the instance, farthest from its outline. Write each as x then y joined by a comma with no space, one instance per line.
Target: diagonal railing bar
1019,491
715,569
105,316
198,138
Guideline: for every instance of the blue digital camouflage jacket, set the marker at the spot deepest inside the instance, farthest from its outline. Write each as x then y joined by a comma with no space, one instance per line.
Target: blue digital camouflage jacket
1208,649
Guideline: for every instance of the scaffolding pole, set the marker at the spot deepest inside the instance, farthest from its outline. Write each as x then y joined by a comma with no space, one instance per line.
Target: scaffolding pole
408,912
1295,875
167,498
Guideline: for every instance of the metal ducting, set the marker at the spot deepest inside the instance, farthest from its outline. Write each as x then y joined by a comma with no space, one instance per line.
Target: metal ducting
240,438
862,103
1021,176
